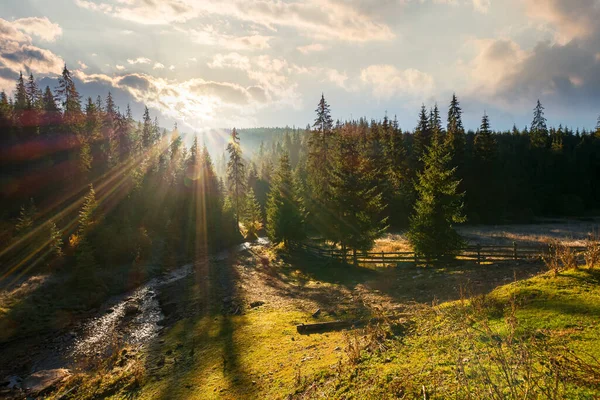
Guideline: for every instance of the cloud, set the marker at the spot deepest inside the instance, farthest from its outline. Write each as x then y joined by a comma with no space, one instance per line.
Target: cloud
387,81
482,6
158,66
82,65
311,48
231,60
171,67
17,51
139,60
197,102
571,18
324,19
40,27
208,36
119,67
564,72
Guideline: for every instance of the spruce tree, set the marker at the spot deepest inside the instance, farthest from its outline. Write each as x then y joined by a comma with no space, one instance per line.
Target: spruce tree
284,218
55,238
252,215
455,135
483,201
236,174
421,140
69,96
26,218
87,212
147,136
539,131
438,207
21,102
358,204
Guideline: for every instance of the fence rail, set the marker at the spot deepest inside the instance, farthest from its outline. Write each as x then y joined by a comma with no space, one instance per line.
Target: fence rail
477,253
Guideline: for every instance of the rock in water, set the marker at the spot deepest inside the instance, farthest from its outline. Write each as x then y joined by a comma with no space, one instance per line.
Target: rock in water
41,381
131,309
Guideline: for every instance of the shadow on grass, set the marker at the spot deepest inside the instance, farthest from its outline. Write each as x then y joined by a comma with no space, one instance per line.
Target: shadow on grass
199,353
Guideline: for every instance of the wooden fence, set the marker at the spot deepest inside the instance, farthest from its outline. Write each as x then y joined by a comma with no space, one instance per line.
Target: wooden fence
477,253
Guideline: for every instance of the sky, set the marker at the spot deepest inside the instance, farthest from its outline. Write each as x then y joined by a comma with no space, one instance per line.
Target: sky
243,63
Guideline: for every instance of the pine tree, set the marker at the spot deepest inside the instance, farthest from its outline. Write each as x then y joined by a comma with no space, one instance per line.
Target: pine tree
439,206
455,136
421,139
484,141
55,237
147,130
358,204
284,218
33,94
26,218
252,215
70,98
236,174
435,123
598,126
539,131
21,102
323,122
87,213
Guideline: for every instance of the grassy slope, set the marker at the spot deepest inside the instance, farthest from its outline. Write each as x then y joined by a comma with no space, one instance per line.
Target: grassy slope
259,354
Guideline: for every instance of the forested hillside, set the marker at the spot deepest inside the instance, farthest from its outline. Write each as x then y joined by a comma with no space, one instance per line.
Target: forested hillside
82,178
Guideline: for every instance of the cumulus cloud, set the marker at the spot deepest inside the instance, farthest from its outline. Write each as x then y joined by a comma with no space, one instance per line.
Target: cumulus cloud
482,6
387,81
158,66
197,102
209,36
40,27
315,18
82,65
139,60
564,71
120,67
17,51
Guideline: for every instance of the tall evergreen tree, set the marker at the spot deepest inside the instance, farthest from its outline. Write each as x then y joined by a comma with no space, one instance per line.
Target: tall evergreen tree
421,139
70,99
438,207
357,203
147,130
236,174
455,134
284,219
539,131
21,102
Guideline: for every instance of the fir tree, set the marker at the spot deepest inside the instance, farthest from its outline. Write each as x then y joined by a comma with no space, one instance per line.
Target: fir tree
55,238
323,122
421,139
69,96
236,174
455,136
357,203
21,102
438,207
284,219
539,131
87,212
26,217
252,215
33,94
147,136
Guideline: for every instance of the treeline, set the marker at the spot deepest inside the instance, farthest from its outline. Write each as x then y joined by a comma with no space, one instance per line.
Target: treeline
97,187
85,185
352,179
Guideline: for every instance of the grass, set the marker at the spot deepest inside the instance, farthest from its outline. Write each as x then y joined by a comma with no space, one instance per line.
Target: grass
439,350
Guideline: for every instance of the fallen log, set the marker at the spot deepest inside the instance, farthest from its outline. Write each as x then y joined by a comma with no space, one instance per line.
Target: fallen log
318,327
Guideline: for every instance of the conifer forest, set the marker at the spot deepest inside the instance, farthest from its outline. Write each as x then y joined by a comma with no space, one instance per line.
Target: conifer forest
409,253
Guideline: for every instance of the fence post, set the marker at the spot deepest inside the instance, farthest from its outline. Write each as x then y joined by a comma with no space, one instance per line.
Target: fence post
416,259
478,254
354,257
515,250
383,258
